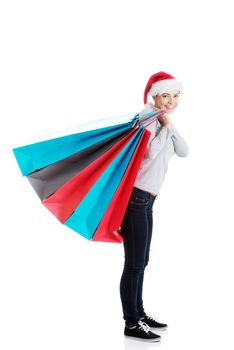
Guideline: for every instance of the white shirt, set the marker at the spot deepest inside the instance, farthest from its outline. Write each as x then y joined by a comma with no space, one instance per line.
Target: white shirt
162,145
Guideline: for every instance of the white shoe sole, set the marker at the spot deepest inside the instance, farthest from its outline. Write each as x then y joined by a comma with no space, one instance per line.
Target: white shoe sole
160,328
142,339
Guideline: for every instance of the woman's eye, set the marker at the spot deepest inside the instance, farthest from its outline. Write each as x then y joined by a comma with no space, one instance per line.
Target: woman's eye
165,96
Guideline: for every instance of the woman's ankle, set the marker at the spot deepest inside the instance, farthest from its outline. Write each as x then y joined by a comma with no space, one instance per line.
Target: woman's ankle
131,327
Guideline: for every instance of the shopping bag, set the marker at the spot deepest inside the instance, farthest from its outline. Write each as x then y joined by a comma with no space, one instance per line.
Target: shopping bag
85,179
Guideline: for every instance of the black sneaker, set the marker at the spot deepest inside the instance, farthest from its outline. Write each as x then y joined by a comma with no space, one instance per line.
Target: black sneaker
154,324
142,330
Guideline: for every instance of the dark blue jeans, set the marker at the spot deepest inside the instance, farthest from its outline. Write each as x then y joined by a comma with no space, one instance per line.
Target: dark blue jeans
136,229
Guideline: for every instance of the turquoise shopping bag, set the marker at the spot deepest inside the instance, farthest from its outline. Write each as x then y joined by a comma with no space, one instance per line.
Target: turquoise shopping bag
91,209
38,155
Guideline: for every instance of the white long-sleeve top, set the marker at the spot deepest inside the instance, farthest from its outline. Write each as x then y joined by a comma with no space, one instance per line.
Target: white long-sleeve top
162,145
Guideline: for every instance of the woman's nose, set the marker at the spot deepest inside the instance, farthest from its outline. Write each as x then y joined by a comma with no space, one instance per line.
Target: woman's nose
171,100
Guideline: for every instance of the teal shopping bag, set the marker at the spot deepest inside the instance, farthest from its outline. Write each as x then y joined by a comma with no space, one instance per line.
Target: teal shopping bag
38,155
91,209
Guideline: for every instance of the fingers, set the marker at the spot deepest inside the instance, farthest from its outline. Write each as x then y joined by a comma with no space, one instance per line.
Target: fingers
164,112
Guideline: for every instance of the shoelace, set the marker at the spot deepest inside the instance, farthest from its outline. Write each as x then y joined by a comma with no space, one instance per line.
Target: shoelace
151,318
144,326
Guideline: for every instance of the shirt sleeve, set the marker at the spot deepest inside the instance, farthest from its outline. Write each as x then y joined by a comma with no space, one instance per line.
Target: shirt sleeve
156,143
180,146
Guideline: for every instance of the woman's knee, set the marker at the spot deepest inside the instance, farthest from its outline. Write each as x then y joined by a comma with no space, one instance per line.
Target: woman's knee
134,268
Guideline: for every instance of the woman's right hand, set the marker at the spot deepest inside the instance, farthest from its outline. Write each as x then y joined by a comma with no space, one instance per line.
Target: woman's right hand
164,120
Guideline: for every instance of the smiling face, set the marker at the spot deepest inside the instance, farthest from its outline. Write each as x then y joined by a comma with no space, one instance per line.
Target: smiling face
167,100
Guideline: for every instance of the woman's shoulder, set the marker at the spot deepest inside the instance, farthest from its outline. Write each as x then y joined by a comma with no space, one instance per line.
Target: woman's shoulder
148,107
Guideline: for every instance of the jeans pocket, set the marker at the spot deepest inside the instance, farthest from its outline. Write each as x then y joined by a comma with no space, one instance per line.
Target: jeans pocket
138,201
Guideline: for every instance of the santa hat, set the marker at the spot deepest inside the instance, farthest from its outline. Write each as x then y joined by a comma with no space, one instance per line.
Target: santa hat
161,82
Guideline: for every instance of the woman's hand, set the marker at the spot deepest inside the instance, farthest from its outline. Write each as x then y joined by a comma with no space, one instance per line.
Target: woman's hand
165,120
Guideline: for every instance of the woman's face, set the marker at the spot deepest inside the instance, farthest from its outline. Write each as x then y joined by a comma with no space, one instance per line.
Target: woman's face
167,101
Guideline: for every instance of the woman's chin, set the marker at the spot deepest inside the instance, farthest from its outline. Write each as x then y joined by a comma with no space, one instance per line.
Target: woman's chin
169,110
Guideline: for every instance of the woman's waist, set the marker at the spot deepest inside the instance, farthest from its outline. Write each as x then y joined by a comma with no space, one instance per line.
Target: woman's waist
146,193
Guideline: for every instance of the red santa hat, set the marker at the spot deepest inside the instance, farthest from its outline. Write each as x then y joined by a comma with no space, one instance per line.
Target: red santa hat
161,82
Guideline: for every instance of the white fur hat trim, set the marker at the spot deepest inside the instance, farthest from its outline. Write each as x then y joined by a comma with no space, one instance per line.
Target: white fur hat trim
166,85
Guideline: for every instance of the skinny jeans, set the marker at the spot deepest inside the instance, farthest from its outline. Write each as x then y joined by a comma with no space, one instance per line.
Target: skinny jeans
136,229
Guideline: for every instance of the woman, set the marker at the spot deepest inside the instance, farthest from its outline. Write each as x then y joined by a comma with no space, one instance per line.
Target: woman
137,224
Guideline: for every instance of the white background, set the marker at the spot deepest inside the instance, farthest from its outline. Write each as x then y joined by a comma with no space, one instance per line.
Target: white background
65,63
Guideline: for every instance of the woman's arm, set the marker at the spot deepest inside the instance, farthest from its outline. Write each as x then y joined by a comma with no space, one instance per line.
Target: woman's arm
180,146
157,143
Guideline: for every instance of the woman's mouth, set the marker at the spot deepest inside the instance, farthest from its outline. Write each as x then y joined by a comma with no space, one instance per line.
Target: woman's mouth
170,107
